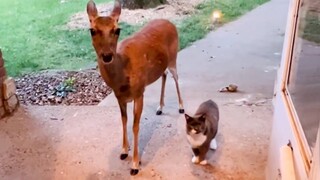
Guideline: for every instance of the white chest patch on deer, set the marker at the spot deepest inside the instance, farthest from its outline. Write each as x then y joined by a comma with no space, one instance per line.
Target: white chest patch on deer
196,140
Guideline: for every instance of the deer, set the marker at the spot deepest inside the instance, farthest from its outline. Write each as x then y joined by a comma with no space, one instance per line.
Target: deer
136,62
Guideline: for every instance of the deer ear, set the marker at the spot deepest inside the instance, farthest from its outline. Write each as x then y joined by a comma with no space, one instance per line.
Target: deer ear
116,10
92,10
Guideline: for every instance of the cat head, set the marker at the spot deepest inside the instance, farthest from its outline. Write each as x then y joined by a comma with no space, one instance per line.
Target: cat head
196,124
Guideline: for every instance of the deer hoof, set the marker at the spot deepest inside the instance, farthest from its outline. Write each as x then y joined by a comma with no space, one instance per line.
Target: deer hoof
134,172
181,111
159,112
123,156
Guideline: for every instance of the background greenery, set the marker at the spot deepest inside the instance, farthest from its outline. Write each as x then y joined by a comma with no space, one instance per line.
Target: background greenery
31,37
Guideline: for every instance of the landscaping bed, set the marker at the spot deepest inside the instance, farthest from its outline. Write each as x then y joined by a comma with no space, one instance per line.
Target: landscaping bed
84,87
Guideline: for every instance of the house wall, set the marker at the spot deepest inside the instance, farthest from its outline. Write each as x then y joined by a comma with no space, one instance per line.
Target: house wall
284,129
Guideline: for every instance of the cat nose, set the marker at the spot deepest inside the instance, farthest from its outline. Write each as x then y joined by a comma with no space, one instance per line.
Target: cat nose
107,57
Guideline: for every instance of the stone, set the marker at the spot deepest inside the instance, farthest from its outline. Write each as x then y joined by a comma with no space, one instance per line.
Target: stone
11,104
2,111
1,101
9,88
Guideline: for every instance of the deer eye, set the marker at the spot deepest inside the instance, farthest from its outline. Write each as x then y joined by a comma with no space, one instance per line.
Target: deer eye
92,32
117,31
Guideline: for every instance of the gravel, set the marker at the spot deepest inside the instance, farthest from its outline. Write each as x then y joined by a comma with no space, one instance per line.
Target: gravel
84,87
175,10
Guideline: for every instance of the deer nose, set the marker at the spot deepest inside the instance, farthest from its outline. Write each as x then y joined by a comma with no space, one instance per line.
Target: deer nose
107,57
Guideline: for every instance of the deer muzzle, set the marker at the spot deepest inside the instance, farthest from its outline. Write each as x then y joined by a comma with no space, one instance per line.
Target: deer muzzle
107,57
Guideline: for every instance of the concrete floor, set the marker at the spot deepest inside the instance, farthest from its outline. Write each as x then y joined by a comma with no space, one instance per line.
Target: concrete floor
85,142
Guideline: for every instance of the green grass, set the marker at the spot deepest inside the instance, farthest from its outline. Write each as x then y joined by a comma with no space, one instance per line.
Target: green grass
32,39
311,30
197,26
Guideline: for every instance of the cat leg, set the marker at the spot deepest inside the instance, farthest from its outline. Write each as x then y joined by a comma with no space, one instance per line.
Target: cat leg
202,155
195,158
204,162
213,144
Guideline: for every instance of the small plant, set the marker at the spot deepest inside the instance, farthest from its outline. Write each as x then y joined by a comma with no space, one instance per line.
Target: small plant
64,88
70,81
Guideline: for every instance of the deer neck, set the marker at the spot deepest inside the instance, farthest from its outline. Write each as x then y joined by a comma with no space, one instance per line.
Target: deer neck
113,72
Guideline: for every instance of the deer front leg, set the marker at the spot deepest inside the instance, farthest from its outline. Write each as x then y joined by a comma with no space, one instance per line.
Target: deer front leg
174,73
164,78
138,106
125,142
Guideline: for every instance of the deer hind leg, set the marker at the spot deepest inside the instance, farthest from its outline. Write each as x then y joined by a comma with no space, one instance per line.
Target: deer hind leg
138,106
173,71
125,142
164,78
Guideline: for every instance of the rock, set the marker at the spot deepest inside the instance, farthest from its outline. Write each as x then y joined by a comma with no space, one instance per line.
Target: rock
230,88
11,104
58,99
9,87
53,118
41,88
51,98
2,111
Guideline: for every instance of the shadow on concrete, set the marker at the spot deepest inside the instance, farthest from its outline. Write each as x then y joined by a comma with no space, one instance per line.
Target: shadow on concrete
27,149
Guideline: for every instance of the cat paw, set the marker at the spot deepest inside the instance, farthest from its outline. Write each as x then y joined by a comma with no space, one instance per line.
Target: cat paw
134,172
204,162
213,144
159,112
123,156
195,159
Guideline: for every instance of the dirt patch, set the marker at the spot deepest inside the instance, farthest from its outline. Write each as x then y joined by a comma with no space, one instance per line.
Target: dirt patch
174,10
62,88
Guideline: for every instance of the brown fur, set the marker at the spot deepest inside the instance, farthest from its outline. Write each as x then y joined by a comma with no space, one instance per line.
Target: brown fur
133,64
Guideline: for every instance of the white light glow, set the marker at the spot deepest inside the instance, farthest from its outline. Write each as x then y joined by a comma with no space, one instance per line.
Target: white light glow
216,14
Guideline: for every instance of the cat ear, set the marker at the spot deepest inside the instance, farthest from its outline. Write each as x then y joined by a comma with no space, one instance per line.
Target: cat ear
202,118
188,118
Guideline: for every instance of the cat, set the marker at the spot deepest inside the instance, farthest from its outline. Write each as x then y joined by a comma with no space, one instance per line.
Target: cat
202,129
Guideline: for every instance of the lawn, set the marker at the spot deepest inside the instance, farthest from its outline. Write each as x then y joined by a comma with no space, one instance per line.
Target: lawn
311,29
32,37
197,26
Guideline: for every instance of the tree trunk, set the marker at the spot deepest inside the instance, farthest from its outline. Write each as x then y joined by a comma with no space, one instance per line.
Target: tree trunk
142,4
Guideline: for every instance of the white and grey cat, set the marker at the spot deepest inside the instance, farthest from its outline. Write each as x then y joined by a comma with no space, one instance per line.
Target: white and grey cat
202,129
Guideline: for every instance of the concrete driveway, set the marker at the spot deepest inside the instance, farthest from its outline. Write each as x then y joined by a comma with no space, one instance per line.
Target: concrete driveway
85,142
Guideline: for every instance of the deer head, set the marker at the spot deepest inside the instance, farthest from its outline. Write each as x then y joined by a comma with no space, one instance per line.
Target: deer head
104,31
